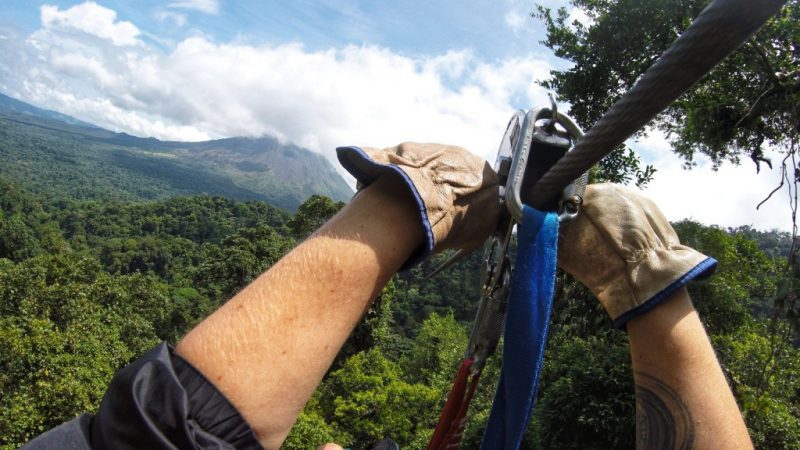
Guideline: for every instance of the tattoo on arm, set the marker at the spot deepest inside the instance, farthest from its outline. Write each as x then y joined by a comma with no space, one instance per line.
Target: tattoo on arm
662,419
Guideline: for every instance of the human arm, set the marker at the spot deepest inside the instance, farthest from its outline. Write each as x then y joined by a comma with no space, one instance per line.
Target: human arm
625,251
682,397
269,346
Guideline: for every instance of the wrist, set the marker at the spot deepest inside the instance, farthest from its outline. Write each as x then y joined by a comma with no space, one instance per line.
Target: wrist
383,216
666,314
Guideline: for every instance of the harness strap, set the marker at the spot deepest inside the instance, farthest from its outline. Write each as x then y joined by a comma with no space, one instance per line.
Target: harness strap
529,308
453,419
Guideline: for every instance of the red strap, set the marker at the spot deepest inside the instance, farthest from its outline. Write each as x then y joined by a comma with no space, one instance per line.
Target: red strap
454,415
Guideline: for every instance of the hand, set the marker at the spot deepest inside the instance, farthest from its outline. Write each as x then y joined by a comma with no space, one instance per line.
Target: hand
330,446
456,191
623,248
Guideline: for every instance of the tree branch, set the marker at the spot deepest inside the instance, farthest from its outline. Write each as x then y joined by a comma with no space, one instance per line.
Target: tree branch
757,103
783,177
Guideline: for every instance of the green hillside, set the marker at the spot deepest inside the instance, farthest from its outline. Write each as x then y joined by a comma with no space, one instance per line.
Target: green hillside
56,156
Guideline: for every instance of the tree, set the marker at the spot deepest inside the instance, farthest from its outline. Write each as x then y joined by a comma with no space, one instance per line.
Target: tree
754,347
65,328
239,259
369,400
312,214
748,104
312,431
743,283
764,372
437,351
744,107
455,291
17,240
375,330
586,397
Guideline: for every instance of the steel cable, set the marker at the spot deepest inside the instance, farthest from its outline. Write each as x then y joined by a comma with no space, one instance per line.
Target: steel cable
719,30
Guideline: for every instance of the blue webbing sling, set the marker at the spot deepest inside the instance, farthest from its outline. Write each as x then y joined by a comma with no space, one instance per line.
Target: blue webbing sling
529,307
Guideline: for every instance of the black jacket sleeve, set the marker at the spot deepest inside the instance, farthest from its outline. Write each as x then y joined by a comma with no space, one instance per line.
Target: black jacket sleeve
157,402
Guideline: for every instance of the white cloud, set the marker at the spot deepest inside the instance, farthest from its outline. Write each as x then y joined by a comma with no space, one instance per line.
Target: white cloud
727,197
78,65
93,19
451,65
205,6
515,20
364,95
177,18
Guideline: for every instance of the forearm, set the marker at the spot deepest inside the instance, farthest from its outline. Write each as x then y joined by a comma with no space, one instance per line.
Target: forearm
682,397
268,347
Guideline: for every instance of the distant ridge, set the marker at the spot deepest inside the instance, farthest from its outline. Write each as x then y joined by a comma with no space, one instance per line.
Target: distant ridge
59,155
10,104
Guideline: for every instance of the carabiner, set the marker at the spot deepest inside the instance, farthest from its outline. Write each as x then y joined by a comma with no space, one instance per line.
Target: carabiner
541,143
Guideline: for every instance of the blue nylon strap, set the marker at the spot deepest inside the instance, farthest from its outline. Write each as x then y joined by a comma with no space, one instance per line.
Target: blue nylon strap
527,320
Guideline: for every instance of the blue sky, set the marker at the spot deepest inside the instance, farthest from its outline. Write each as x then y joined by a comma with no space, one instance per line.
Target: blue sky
321,74
410,27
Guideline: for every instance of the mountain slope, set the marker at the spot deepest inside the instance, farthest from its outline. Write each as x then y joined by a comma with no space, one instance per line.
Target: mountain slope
265,165
59,156
8,104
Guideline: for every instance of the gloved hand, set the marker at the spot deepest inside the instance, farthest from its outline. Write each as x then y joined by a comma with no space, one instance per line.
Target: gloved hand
623,248
456,191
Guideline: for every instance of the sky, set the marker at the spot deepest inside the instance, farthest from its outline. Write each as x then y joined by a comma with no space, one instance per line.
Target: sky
325,73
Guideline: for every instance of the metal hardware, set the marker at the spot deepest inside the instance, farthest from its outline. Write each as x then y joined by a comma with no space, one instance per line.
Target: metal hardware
488,325
532,143
534,153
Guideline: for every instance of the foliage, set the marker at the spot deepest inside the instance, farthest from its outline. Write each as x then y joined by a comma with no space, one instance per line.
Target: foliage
436,353
775,244
91,285
457,291
368,398
66,328
764,371
591,378
85,287
744,281
17,241
311,431
312,214
376,330
744,107
748,102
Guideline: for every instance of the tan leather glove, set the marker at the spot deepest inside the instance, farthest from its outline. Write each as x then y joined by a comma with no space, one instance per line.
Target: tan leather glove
623,248
456,191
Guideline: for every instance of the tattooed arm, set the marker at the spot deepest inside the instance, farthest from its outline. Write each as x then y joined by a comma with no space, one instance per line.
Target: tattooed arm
623,248
682,398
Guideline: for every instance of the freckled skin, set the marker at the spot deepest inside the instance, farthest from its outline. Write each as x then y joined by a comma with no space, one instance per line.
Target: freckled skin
306,304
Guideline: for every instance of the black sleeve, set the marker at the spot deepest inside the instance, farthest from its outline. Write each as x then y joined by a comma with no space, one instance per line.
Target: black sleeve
72,435
157,402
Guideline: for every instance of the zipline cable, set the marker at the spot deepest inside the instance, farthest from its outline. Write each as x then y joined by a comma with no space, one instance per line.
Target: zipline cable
719,30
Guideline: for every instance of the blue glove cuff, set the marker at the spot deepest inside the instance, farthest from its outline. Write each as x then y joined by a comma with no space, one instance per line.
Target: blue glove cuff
366,171
703,270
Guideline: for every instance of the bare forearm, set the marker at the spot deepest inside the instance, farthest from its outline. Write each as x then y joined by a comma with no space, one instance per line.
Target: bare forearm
682,397
268,347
